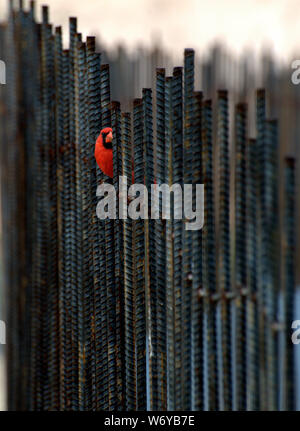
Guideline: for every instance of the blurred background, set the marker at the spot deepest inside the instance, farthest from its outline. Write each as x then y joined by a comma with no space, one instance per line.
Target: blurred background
240,46
251,24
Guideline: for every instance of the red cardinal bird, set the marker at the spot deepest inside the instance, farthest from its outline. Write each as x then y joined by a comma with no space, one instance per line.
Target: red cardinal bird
104,153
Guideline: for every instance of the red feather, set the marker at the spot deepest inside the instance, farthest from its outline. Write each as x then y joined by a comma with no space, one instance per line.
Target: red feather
104,156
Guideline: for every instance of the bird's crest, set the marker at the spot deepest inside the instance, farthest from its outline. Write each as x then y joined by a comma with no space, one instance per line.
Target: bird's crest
104,132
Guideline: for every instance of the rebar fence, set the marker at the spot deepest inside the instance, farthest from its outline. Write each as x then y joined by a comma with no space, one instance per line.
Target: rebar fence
130,314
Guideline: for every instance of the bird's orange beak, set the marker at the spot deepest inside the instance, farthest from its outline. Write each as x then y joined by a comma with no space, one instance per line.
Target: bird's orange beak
109,137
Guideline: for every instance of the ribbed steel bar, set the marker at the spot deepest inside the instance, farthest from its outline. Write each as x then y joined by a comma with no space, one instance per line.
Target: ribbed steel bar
169,251
186,296
43,388
210,382
224,273
109,258
71,228
160,246
63,202
26,193
16,162
270,220
197,299
268,278
16,53
105,96
240,254
17,166
109,251
97,231
129,293
51,403
77,297
9,207
260,129
119,261
83,277
177,178
151,293
287,294
59,128
139,261
111,314
251,268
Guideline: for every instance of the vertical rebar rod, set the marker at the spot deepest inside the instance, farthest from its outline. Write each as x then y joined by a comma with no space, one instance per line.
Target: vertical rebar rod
139,261
151,294
129,294
105,96
59,116
48,207
97,229
224,279
169,251
208,266
119,260
84,280
240,253
73,225
109,256
9,216
197,300
251,268
260,129
19,169
26,60
160,246
177,178
271,230
188,113
55,81
288,401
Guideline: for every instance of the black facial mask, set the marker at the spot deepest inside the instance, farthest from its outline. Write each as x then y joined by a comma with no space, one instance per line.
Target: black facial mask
107,145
